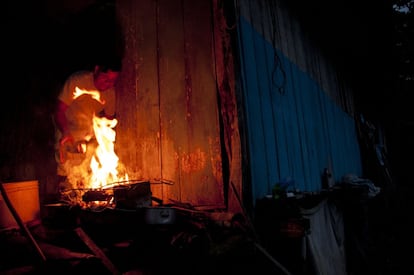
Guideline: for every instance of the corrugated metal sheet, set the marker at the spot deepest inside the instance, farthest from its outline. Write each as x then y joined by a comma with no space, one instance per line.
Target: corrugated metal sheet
295,127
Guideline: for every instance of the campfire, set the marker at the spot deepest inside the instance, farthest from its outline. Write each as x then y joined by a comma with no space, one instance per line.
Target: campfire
93,181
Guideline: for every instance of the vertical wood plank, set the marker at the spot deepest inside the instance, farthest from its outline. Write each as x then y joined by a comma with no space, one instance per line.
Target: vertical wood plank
225,77
148,109
174,143
201,168
138,132
126,131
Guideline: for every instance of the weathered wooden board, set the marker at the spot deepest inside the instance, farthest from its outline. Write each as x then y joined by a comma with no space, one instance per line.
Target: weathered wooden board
169,125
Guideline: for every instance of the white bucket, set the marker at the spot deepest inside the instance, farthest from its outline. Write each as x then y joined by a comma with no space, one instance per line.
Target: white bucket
24,196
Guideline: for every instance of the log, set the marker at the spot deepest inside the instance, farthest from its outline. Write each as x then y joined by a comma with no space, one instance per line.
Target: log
97,251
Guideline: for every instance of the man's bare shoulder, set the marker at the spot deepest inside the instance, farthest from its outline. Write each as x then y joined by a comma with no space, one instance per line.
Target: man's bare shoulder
79,75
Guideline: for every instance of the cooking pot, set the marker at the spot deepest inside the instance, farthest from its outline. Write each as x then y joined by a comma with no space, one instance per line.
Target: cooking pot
160,215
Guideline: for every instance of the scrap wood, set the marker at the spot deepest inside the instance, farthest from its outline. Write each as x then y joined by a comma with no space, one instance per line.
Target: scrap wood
97,251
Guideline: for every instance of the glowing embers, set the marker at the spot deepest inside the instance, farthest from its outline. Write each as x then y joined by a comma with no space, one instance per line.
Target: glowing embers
98,199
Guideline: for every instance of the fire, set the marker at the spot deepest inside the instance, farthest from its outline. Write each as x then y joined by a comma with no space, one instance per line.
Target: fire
94,94
104,162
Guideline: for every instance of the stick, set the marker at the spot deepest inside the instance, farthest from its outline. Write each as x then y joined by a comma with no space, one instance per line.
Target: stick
273,260
21,224
96,250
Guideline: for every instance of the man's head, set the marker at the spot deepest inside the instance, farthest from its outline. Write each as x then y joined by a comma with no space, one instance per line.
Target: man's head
105,77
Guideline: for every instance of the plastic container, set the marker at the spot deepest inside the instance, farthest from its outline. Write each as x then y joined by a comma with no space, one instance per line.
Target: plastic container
24,196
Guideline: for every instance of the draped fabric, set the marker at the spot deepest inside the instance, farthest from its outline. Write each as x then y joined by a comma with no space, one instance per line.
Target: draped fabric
325,244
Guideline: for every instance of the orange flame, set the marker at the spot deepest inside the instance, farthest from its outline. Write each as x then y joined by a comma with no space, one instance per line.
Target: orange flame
94,94
105,162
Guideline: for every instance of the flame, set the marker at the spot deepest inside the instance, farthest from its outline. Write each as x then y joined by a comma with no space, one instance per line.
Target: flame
94,94
104,163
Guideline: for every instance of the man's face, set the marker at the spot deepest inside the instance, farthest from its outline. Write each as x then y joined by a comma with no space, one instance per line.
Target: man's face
105,80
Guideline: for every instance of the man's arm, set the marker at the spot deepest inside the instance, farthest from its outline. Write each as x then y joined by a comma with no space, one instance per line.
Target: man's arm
60,118
62,124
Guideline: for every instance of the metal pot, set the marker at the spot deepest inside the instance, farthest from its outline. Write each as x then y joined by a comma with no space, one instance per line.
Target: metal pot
160,215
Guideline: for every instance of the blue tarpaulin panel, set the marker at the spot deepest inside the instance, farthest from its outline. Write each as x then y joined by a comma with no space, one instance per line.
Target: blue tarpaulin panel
294,129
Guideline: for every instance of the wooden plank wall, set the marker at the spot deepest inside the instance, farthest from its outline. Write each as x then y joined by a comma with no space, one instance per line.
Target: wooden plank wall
168,109
177,59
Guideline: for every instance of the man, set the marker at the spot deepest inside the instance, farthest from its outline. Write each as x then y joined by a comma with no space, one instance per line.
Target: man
85,94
